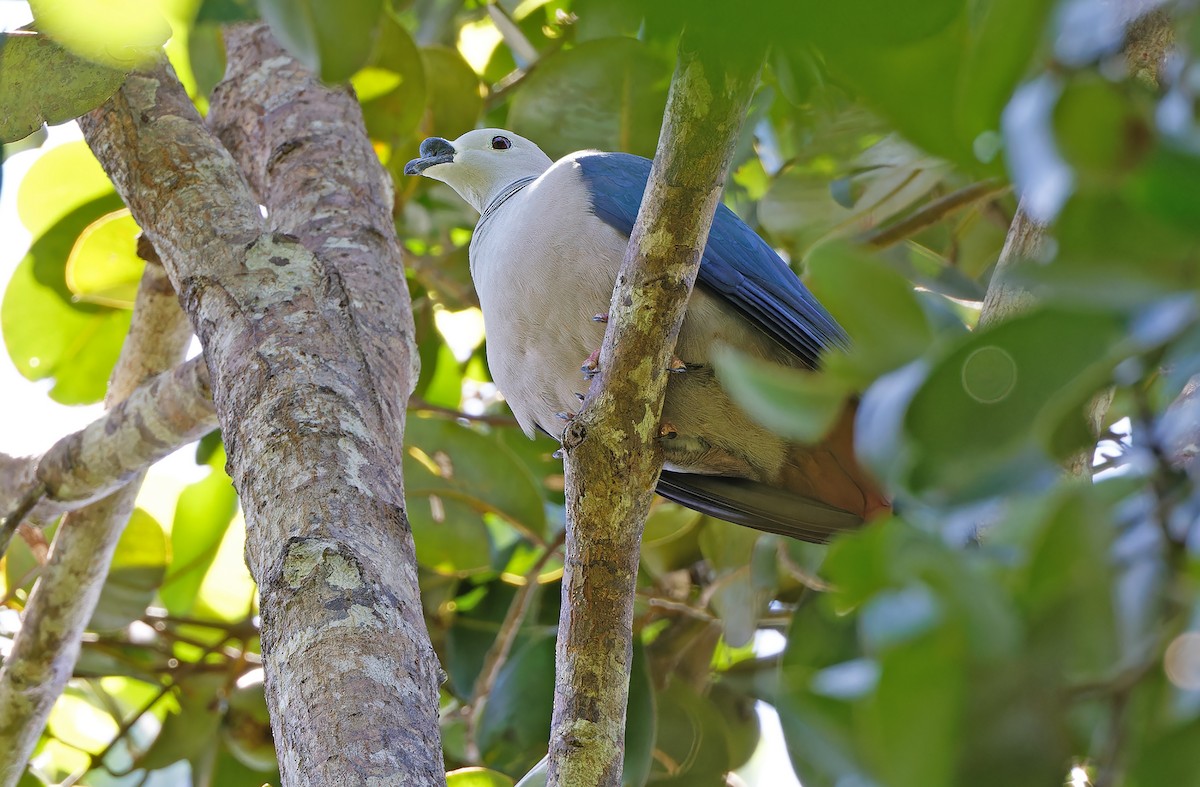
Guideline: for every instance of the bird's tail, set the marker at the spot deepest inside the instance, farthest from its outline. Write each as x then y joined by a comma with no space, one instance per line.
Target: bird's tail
830,473
820,491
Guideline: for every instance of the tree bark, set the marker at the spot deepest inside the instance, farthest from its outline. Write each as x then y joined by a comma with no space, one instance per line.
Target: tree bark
307,331
47,646
163,414
611,457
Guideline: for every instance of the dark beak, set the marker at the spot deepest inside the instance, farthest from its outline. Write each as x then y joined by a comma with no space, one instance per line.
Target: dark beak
434,150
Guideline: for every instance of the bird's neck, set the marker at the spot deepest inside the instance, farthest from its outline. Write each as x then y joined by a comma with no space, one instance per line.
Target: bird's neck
481,195
504,196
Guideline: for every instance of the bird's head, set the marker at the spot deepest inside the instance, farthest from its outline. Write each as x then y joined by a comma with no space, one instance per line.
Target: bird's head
479,164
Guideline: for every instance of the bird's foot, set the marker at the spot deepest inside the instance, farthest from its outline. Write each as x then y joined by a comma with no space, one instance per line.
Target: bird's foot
564,415
676,366
591,366
668,431
602,317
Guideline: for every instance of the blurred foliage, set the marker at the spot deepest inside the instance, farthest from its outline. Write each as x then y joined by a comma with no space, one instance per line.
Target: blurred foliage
1011,625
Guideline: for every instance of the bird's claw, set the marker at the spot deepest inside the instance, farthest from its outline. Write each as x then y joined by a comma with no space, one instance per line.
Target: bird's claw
564,415
602,317
558,454
591,366
579,396
668,431
676,366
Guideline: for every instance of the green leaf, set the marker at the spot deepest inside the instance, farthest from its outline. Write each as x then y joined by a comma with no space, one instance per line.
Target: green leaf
940,72
607,94
202,517
797,404
1164,186
1170,758
1067,589
877,307
693,739
736,597
910,76
454,476
741,720
80,720
62,179
477,777
1002,45
478,616
876,23
225,11
986,405
46,334
29,780
895,617
109,659
391,86
228,769
538,456
640,719
452,93
890,571
41,82
885,180
1097,128
538,775
332,37
206,55
193,728
671,539
103,266
138,567
1115,251
911,723
442,380
246,727
515,725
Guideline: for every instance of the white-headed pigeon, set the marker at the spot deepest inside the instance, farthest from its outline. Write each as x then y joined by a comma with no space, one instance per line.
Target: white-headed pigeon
544,257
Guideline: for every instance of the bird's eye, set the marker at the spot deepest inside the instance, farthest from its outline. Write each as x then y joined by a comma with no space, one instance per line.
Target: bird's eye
501,143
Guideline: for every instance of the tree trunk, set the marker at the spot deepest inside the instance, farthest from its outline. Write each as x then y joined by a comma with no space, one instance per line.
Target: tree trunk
307,331
612,459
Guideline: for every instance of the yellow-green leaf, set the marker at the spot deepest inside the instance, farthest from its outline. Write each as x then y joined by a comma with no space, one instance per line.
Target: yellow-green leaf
103,266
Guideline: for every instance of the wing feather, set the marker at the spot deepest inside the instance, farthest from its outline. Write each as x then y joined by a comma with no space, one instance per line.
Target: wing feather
737,264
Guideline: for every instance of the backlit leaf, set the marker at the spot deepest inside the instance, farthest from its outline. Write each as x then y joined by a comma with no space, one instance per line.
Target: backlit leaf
606,94
332,37
103,266
43,82
138,567
50,336
202,517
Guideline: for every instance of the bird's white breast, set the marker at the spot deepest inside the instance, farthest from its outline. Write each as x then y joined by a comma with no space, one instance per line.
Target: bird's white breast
543,266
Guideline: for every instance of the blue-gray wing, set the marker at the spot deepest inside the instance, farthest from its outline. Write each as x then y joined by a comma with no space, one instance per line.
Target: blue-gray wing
738,265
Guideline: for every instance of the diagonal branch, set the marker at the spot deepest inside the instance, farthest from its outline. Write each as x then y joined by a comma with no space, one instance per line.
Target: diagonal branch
165,413
612,460
46,648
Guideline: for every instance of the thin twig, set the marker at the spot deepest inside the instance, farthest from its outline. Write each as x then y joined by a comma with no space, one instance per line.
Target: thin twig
420,405
24,505
498,654
934,212
687,610
97,760
798,573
